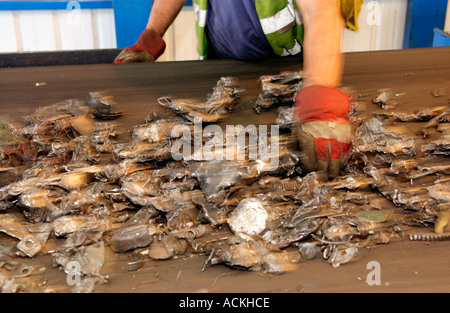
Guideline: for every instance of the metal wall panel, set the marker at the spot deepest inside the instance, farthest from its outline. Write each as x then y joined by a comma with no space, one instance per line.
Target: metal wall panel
55,30
381,27
181,41
8,37
36,30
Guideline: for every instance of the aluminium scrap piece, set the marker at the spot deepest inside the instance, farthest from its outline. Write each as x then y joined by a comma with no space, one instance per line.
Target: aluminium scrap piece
440,146
253,255
60,122
86,261
145,150
64,119
152,141
385,99
373,135
278,89
8,134
103,105
285,117
440,113
15,153
158,130
218,104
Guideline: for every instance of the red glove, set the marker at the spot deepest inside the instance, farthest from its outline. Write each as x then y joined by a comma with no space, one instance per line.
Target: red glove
147,48
323,129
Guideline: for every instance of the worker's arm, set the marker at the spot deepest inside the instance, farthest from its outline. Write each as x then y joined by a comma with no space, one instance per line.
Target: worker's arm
322,57
150,44
163,14
322,127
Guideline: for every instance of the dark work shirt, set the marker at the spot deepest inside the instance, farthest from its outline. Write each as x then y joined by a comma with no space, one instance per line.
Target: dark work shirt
233,31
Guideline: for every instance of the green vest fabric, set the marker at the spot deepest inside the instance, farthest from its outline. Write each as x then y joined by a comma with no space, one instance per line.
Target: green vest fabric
281,23
200,9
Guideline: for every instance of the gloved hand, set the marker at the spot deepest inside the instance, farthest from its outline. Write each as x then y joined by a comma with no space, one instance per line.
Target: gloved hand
323,129
147,48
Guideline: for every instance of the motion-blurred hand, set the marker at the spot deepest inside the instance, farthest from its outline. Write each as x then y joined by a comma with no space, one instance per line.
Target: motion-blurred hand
147,48
323,129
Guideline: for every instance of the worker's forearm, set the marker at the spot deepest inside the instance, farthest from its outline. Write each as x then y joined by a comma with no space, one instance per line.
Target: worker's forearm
322,57
163,14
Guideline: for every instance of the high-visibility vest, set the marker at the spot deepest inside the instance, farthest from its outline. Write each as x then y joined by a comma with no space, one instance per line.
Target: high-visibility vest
280,21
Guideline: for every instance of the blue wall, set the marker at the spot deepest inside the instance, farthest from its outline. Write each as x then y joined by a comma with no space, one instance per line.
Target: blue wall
422,17
131,17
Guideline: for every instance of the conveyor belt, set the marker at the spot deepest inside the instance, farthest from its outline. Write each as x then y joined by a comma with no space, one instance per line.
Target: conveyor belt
75,57
414,73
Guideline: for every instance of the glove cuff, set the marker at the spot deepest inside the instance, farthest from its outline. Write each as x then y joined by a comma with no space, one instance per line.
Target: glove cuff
320,103
151,41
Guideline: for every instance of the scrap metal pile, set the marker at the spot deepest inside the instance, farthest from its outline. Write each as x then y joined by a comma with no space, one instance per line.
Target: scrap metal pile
69,176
